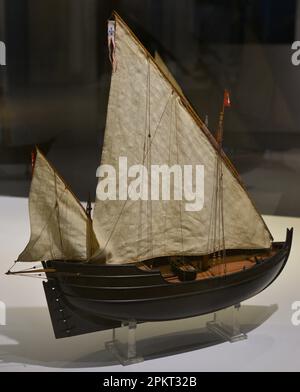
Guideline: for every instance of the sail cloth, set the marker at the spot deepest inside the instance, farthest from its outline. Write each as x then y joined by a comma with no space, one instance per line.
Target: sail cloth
60,228
145,105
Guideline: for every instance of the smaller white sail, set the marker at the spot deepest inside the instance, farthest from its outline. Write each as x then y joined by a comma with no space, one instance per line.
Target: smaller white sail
60,227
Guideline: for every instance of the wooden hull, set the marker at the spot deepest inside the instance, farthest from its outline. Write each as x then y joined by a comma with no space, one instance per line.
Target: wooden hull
106,295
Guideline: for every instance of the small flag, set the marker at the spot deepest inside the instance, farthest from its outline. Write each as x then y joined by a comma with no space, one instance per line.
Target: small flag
111,34
227,102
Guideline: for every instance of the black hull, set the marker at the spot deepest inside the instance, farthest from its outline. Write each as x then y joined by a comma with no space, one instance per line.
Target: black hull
102,296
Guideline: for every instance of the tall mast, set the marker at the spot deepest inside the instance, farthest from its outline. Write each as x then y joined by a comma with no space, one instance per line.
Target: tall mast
219,229
220,131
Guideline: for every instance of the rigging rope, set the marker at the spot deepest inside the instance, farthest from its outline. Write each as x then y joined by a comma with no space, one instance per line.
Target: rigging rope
169,163
177,157
149,156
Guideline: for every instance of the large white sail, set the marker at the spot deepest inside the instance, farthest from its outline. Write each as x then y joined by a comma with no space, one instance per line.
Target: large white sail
60,228
149,122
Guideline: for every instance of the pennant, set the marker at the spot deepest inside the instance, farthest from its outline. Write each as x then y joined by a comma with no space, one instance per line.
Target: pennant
111,34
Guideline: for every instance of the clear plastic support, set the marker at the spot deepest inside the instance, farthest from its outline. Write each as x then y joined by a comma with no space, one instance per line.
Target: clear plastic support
229,329
123,345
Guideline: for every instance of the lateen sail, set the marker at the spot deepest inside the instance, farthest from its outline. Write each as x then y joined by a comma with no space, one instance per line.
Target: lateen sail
150,122
60,228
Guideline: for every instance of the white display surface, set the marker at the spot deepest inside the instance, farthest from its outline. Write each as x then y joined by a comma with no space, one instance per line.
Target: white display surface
27,341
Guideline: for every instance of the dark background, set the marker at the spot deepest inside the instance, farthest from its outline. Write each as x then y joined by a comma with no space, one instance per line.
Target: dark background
54,89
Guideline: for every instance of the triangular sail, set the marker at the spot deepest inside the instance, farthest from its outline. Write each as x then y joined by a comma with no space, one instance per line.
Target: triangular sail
150,123
60,228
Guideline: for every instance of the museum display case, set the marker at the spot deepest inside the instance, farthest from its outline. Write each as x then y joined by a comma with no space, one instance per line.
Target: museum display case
158,147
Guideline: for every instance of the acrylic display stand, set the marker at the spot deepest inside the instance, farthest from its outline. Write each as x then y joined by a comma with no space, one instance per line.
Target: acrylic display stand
230,329
123,345
124,348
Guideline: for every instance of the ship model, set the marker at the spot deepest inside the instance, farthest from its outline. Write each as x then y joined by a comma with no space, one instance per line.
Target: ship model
148,260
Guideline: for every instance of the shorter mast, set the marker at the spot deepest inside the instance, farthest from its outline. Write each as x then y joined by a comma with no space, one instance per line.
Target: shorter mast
219,229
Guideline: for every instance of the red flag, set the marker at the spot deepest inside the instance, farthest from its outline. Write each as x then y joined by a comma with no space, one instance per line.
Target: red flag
227,102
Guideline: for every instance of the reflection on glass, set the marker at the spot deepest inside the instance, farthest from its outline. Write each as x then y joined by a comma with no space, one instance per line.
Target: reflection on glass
53,91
